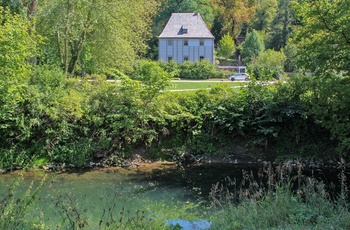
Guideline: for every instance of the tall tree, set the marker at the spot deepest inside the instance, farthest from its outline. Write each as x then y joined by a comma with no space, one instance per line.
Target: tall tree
282,25
226,46
17,45
252,47
14,6
233,15
98,35
323,40
264,15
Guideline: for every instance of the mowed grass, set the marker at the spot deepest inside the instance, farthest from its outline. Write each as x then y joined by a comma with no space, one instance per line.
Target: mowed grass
192,85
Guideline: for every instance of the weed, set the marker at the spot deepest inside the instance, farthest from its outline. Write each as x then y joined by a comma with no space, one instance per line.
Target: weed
278,199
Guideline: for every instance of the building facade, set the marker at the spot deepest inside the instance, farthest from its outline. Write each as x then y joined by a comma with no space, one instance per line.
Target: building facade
186,38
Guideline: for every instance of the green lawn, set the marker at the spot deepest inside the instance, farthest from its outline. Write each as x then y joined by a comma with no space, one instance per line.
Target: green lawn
184,85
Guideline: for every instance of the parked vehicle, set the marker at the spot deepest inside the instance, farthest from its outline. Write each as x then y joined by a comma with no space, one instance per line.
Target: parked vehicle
239,76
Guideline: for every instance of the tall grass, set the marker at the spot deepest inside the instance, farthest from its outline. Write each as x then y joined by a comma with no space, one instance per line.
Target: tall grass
22,207
279,199
16,205
274,198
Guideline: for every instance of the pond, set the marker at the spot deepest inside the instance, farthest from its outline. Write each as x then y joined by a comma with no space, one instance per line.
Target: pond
161,189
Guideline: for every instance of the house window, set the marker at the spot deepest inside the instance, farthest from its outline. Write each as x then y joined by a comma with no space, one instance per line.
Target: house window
201,42
185,58
170,58
170,42
184,29
201,58
186,43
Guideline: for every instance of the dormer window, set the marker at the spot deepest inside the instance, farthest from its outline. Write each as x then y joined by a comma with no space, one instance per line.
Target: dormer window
184,29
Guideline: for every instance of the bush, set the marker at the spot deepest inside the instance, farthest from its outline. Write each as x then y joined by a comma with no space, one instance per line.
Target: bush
268,65
285,202
199,70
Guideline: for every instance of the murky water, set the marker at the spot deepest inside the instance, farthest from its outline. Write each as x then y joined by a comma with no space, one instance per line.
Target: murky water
94,193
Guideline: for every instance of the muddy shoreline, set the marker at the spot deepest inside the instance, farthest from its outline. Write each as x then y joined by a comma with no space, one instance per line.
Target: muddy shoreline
139,164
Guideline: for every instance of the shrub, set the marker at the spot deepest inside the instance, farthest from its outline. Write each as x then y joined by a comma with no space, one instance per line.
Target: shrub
285,202
268,65
198,70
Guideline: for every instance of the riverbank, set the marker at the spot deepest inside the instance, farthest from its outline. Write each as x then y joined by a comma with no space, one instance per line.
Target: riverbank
238,196
140,164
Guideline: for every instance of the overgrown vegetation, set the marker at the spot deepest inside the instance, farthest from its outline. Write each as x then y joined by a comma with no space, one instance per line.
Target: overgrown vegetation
288,200
72,121
199,70
273,198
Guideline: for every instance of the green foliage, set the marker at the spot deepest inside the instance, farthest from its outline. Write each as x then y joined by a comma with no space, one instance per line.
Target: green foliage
153,78
264,15
291,52
172,67
17,45
323,37
70,121
277,205
198,70
226,46
252,46
15,206
283,25
192,70
268,65
75,31
232,16
44,115
330,107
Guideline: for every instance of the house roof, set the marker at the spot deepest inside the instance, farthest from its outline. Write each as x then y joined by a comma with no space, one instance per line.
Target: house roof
179,22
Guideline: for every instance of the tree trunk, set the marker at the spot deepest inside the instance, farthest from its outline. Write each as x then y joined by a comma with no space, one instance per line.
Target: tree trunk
76,51
66,35
31,6
59,47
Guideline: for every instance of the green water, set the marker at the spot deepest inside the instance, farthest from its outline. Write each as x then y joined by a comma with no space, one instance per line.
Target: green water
93,195
109,195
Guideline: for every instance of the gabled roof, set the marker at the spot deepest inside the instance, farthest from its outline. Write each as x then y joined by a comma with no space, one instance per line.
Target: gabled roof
179,22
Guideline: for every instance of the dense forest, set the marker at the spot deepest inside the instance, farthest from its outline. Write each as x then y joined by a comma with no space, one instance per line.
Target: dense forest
56,105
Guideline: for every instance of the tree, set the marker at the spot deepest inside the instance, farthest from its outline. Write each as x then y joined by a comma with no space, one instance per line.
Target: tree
17,46
282,25
264,15
268,64
291,52
95,35
323,40
226,46
153,77
252,46
232,15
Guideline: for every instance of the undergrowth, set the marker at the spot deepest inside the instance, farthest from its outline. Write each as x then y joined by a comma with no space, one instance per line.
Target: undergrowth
281,198
274,198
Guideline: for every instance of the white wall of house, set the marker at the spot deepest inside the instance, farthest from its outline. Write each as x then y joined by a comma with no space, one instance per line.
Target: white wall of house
181,49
